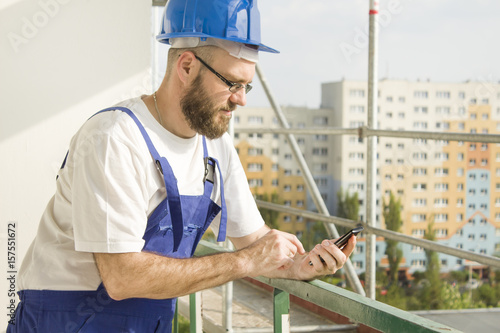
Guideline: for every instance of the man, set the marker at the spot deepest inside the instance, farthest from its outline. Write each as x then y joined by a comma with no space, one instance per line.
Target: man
141,183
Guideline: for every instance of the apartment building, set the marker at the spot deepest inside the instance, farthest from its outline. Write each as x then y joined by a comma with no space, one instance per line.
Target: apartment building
455,185
452,184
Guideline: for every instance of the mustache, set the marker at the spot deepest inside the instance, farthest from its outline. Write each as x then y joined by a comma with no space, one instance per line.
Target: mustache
229,107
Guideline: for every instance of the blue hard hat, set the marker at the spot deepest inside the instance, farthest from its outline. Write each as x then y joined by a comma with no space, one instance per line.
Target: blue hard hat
233,20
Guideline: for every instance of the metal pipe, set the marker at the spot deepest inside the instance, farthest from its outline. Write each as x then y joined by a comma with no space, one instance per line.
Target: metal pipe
371,150
364,132
426,244
352,277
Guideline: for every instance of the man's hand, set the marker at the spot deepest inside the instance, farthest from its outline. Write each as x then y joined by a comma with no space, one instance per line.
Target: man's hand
272,252
333,258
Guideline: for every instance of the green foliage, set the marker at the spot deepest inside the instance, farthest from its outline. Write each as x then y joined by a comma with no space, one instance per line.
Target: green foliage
393,221
183,324
347,205
270,216
315,235
431,294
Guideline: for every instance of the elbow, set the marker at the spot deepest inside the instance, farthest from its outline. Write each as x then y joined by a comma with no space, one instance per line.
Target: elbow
115,291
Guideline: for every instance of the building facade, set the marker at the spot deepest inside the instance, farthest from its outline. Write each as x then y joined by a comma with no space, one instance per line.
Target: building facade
454,185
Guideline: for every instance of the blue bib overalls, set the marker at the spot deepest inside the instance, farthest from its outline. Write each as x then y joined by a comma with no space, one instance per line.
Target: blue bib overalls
173,229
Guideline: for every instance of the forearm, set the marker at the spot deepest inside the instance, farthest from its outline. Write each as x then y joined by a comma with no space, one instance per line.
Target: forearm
148,275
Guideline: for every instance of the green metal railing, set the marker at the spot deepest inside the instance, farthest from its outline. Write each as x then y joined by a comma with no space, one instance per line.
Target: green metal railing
357,308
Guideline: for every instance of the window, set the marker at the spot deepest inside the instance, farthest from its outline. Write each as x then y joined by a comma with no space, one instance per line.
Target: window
419,202
357,109
255,120
300,188
254,151
288,172
420,125
419,187
460,172
321,137
416,249
441,233
356,124
356,93
441,217
300,203
419,156
419,171
440,202
441,156
441,172
460,156
441,187
460,217
320,167
254,167
356,156
420,94
418,217
418,263
320,151
418,232
401,115
320,120
255,182
443,94
287,218
287,188
288,156
460,187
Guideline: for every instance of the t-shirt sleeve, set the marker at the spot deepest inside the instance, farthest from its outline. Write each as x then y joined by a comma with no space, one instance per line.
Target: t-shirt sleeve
109,200
243,215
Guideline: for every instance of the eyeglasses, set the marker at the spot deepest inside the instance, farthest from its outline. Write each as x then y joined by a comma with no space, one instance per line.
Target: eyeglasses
234,87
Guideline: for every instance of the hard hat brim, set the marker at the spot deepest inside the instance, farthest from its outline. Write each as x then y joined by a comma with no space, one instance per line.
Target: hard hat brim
164,38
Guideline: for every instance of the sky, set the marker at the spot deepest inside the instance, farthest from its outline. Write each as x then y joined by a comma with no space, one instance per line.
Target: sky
327,40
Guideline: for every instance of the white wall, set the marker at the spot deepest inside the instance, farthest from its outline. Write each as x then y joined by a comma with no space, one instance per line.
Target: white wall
60,62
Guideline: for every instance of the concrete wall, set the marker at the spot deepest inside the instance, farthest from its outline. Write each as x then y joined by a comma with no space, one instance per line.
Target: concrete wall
61,61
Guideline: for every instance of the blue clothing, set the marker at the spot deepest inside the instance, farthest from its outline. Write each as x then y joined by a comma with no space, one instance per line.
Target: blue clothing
173,229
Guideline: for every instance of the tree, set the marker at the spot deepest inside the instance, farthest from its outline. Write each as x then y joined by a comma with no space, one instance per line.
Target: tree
270,216
393,221
347,207
432,293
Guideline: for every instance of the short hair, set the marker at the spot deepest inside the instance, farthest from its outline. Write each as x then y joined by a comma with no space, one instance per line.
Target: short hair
204,52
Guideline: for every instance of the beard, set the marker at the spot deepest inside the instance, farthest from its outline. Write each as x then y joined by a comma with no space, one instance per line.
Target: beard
202,113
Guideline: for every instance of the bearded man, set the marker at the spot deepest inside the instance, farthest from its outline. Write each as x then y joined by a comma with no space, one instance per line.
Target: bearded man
140,185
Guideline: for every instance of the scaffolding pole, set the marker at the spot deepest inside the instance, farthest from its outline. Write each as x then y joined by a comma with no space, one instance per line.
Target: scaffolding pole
352,277
371,147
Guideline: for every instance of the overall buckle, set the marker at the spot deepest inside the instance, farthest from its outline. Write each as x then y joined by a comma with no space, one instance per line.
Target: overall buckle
209,170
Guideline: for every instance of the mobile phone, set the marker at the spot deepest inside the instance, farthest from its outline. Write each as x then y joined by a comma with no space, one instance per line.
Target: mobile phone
342,241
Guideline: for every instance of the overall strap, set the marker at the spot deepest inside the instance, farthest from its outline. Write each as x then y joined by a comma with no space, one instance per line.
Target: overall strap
210,164
173,197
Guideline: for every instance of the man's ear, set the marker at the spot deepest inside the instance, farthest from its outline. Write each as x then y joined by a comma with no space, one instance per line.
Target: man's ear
187,67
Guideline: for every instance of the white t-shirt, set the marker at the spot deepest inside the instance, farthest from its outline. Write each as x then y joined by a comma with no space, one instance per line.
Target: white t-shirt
110,185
